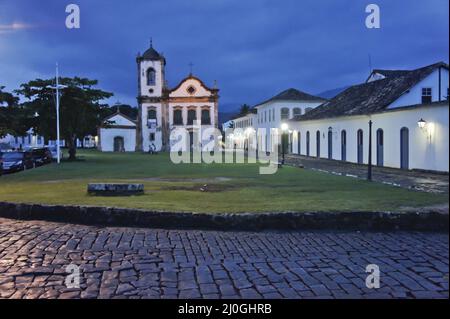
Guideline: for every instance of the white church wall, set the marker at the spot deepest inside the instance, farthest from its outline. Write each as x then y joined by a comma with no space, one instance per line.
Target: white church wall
120,120
183,92
146,142
108,135
156,89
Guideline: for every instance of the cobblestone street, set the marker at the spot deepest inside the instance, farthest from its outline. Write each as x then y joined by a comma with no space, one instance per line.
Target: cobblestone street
147,263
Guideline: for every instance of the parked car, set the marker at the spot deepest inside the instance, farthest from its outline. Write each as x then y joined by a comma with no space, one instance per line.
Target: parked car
17,161
41,156
54,151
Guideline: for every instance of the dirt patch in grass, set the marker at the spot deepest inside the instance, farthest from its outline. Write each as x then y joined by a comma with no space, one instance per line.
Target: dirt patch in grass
206,188
191,180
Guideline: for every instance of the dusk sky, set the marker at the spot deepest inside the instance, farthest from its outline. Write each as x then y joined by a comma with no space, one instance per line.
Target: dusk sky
254,49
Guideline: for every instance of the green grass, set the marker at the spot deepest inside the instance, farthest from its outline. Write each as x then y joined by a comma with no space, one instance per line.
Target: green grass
234,187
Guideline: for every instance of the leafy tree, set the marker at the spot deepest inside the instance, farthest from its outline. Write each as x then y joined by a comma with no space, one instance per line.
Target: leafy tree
13,118
125,109
244,110
81,110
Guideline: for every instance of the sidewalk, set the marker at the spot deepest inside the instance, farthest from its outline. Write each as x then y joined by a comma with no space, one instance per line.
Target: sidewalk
417,180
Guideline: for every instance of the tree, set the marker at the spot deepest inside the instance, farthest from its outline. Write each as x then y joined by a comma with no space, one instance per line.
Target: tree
81,110
14,119
125,109
244,110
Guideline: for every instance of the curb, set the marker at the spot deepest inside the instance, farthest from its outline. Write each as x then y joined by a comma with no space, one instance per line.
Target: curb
431,220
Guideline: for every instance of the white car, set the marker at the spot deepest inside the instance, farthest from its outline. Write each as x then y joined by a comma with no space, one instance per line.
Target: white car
53,150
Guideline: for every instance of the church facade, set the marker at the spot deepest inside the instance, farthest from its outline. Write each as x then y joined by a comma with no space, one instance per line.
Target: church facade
161,110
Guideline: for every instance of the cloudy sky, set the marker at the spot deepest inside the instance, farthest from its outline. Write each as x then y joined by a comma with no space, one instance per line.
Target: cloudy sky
253,48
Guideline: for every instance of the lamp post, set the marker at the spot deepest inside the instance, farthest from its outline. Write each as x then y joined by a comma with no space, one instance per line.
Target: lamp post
369,168
57,87
284,129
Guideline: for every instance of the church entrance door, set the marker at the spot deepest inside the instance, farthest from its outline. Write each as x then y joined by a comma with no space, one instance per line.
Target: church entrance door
119,145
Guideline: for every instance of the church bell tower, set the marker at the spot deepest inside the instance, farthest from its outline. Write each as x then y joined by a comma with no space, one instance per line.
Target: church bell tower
151,81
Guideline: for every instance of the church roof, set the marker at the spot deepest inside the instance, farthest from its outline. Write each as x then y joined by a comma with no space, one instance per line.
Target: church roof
292,95
118,113
151,54
371,97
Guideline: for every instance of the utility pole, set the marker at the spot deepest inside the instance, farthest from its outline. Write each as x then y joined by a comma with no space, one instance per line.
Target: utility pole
57,87
57,116
369,168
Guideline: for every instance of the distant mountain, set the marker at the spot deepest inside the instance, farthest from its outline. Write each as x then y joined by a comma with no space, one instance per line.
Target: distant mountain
329,94
227,111
225,116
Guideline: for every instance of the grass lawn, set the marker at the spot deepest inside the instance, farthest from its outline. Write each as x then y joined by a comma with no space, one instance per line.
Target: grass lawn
231,187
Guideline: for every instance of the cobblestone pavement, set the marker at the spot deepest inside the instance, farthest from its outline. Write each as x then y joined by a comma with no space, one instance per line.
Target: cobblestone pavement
417,180
148,263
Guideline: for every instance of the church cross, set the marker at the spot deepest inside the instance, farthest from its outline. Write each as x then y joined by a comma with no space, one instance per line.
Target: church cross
190,68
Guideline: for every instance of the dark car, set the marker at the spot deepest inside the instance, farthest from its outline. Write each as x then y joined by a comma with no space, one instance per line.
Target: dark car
41,156
17,161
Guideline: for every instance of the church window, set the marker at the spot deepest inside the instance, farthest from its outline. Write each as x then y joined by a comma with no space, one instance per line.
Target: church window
297,111
152,137
151,118
206,118
151,76
191,90
192,116
177,117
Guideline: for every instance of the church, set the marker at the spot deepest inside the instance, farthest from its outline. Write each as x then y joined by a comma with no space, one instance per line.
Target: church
160,110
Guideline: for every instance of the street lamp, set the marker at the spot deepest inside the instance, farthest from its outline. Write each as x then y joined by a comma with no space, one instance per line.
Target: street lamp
57,87
284,129
422,123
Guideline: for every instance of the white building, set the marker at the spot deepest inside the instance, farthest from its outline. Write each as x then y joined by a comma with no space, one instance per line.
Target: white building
31,140
161,110
409,111
278,109
244,131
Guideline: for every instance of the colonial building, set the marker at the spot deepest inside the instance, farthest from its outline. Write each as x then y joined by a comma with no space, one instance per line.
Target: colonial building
161,109
269,115
409,115
31,140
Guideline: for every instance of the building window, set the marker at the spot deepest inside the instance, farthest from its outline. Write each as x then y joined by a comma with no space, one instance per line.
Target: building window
151,118
192,116
151,76
206,118
426,95
178,117
152,137
284,113
297,111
